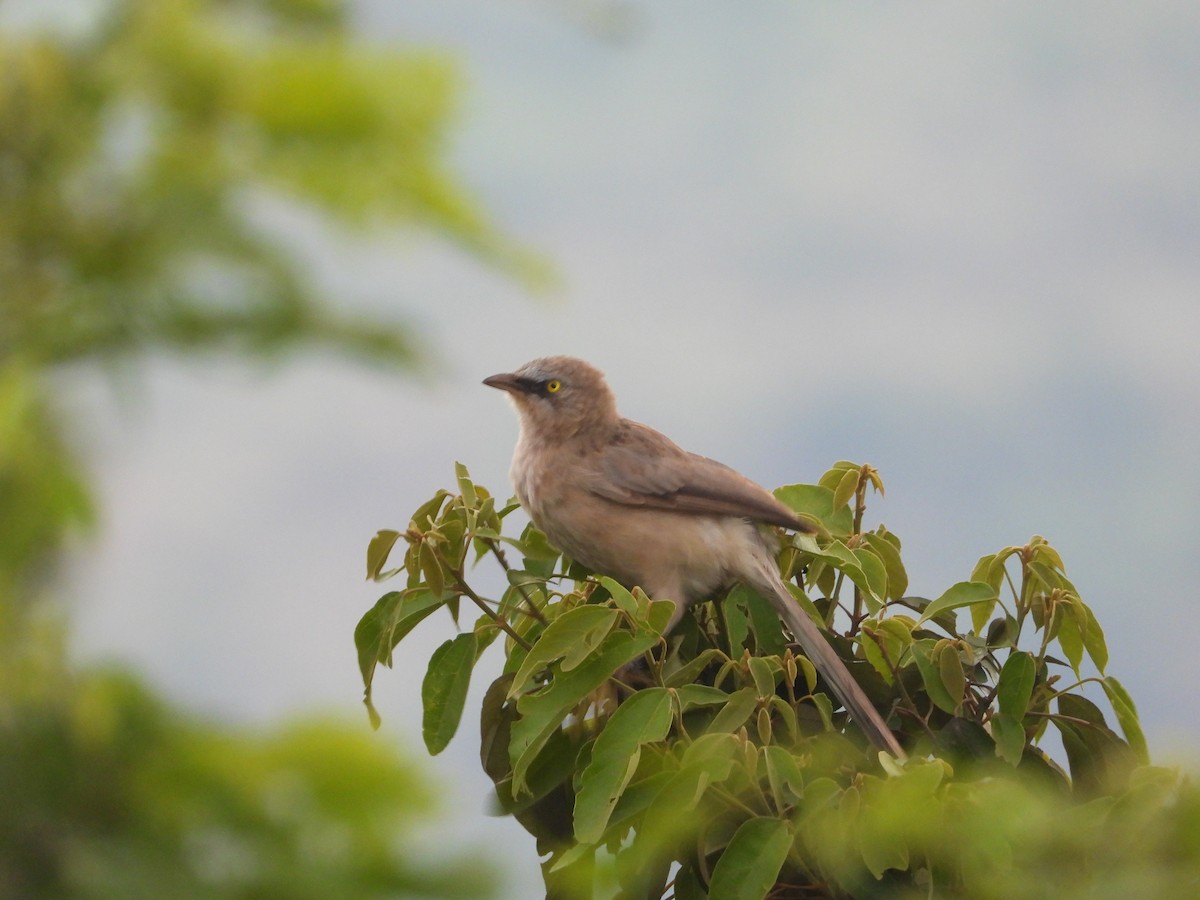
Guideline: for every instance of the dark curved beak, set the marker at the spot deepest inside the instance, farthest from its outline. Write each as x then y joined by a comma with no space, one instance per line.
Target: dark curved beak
506,382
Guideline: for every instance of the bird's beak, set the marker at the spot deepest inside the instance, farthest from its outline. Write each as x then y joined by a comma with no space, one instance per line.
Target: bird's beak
506,382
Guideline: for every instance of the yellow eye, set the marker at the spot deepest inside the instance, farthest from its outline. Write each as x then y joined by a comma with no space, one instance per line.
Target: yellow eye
554,386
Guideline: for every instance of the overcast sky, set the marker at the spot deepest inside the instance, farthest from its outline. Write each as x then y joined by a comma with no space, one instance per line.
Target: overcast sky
959,242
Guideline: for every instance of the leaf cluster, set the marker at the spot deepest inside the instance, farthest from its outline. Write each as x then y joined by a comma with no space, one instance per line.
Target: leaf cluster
138,158
109,793
713,761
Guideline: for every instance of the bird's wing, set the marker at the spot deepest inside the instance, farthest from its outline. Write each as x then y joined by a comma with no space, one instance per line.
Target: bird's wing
641,467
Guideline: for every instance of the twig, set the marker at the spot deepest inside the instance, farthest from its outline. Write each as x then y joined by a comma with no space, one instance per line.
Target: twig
500,622
500,558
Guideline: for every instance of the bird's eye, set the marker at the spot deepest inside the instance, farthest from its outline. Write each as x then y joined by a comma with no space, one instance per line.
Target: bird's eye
554,386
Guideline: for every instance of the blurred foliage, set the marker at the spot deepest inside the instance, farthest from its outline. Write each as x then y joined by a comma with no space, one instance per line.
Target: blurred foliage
131,160
143,162
108,793
712,762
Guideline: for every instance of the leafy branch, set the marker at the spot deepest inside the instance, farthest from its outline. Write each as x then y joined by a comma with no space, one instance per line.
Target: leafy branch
716,749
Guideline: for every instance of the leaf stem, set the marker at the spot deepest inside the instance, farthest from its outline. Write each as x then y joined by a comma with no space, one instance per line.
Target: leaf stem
467,591
500,558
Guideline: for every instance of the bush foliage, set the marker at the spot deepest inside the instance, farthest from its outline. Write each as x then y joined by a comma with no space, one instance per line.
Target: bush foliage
712,762
146,147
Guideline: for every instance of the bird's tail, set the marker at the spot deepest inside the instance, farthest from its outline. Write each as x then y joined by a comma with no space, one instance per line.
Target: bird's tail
829,664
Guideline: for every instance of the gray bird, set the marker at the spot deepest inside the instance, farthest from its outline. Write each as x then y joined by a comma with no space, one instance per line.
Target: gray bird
627,502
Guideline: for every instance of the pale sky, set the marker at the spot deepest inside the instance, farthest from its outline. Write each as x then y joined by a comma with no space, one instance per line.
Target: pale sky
961,243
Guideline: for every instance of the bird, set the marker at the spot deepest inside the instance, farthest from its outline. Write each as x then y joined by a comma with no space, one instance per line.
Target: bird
626,501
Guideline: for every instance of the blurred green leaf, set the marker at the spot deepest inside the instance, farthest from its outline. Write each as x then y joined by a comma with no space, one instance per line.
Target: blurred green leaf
783,774
1010,738
750,864
1100,761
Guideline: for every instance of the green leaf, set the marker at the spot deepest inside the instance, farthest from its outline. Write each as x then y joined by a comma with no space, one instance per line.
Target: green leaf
383,626
881,844
1100,761
667,819
950,669
737,621
965,593
541,713
431,568
1127,717
377,554
875,575
444,690
782,772
690,671
931,676
465,486
638,796
691,696
713,753
1016,684
533,545
750,864
846,486
764,676
810,672
643,718
621,596
741,704
764,621
1093,639
1070,638
1009,735
1046,575
654,614
369,635
897,577
577,632
787,714
874,654
836,471
984,571
423,518
825,709
884,643
816,501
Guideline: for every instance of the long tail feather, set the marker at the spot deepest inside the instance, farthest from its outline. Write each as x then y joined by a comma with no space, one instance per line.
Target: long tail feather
830,665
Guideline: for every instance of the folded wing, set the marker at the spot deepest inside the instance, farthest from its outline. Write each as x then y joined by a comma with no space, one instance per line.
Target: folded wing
641,467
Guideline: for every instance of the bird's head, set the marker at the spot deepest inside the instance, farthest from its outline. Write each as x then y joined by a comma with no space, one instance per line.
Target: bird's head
559,396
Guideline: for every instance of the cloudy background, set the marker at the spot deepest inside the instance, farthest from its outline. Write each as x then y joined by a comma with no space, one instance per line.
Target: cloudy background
959,243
